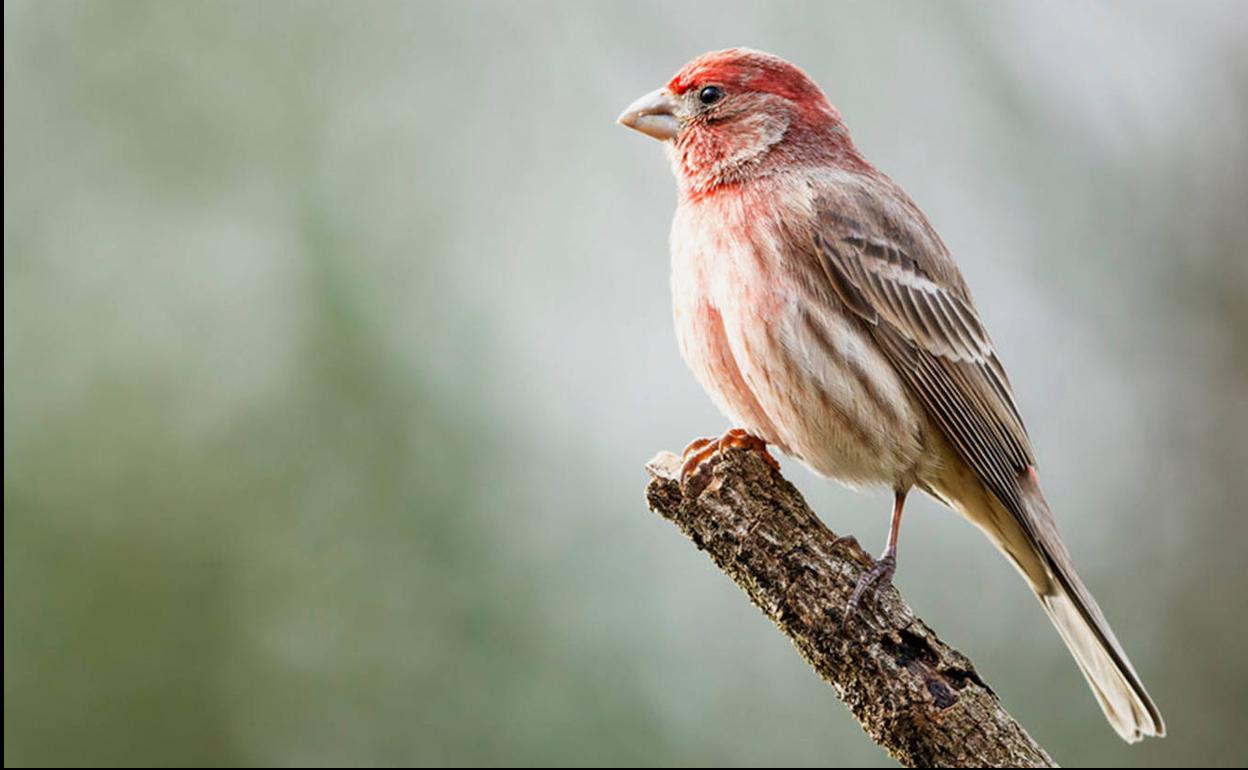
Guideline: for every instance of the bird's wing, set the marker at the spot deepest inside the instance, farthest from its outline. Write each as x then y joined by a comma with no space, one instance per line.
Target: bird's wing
922,318
887,265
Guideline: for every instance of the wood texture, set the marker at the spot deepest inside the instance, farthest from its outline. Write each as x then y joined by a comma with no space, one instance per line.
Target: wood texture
916,697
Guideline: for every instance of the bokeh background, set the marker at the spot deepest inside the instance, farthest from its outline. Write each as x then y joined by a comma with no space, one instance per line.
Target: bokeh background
336,336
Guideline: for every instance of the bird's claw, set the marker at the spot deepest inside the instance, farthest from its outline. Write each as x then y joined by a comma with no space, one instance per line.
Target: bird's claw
855,549
874,579
702,449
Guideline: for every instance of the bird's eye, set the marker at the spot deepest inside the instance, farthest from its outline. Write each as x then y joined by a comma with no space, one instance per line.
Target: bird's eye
710,94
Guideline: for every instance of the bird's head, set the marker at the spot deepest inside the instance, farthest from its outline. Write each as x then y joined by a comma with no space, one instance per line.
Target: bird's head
734,115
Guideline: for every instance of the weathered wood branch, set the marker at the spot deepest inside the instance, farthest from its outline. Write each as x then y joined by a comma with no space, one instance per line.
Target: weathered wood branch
916,696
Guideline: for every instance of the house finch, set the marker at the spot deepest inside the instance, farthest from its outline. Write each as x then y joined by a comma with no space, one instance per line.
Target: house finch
822,313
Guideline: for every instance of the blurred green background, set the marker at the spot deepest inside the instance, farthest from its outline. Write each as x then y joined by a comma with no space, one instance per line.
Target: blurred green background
336,336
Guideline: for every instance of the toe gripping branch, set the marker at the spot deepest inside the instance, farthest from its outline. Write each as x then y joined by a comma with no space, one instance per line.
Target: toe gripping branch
703,449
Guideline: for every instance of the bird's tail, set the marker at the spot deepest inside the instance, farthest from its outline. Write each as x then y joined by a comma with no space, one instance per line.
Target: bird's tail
1078,619
1113,681
1029,539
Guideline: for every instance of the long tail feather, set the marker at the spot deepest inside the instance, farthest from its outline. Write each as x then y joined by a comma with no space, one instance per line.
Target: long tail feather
1030,540
1114,682
1083,627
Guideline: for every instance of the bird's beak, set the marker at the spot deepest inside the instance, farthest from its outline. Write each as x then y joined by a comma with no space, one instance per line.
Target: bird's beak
653,115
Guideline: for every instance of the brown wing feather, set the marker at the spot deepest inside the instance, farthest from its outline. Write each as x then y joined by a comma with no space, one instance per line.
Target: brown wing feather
931,333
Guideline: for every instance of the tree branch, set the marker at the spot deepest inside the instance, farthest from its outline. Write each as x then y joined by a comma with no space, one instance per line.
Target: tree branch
918,698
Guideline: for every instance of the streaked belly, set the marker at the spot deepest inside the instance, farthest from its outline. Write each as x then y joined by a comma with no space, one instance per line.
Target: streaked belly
791,367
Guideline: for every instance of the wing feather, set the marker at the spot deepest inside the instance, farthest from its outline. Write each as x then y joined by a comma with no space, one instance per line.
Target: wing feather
934,338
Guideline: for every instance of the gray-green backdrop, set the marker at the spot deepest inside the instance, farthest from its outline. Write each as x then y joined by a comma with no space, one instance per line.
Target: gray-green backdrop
336,335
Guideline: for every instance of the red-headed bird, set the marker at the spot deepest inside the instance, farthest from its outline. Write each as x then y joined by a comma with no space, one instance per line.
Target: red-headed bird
822,313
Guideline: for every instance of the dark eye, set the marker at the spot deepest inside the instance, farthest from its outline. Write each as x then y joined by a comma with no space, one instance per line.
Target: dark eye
710,94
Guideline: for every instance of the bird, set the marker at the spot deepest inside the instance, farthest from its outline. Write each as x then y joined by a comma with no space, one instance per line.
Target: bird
823,315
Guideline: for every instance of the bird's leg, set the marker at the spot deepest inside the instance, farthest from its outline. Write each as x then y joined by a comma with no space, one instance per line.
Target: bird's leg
885,566
701,450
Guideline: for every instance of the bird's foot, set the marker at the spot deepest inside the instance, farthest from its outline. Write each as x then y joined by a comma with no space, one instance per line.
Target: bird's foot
874,579
703,449
855,549
740,438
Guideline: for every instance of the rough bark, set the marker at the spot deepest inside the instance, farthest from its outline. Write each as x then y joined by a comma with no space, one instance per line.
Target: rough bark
916,696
